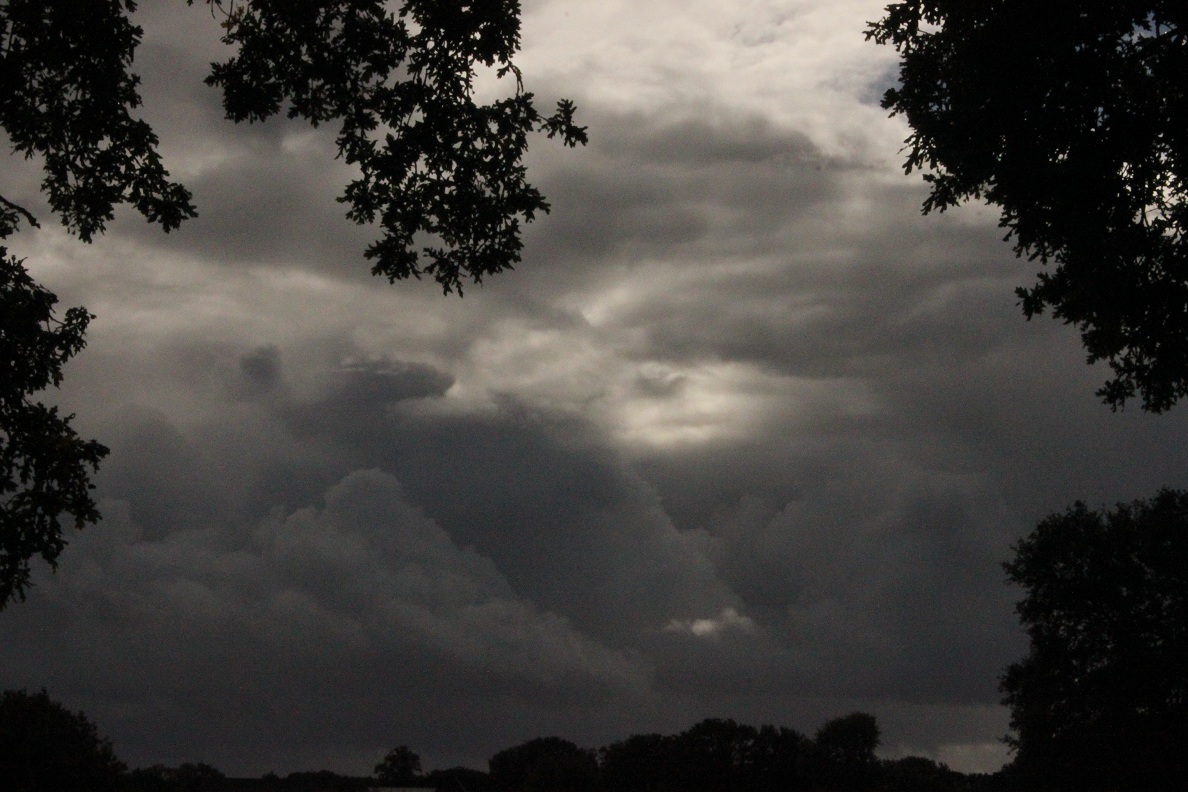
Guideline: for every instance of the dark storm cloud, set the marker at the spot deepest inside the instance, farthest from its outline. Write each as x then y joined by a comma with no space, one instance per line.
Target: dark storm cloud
362,605
804,600
898,586
280,625
358,395
879,580
568,525
260,370
789,304
170,481
269,201
647,186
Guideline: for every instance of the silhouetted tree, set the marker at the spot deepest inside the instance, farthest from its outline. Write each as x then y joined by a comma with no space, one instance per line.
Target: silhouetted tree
641,763
147,779
186,777
43,461
1101,699
401,767
321,781
46,748
399,85
715,755
444,166
546,764
442,176
458,779
842,756
1071,116
917,774
778,759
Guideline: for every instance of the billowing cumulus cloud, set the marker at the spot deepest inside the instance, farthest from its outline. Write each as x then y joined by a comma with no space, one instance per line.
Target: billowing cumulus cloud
361,603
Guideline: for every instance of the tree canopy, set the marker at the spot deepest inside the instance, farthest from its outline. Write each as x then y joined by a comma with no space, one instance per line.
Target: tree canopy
187,777
843,753
1071,116
46,748
1101,699
400,767
440,175
43,461
546,764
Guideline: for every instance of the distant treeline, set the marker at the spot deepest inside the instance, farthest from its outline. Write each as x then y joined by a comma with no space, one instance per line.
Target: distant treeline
714,755
46,748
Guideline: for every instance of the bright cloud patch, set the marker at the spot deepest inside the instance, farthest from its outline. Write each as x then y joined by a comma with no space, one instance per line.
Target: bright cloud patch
729,620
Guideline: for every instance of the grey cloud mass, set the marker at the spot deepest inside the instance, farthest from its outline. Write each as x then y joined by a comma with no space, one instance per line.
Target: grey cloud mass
364,601
743,436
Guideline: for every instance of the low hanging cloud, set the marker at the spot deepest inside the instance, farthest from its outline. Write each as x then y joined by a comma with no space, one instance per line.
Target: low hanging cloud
363,601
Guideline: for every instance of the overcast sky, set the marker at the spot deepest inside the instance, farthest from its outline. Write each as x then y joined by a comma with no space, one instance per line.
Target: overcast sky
744,436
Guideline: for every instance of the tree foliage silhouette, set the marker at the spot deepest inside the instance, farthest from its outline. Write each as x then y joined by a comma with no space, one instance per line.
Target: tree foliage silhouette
400,767
458,779
640,763
46,748
442,176
43,461
917,774
1101,699
546,764
187,777
843,752
67,95
714,755
1071,116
